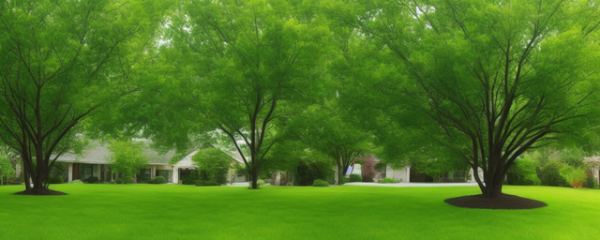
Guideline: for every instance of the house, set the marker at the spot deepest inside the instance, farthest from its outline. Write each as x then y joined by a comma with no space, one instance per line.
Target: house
95,162
406,174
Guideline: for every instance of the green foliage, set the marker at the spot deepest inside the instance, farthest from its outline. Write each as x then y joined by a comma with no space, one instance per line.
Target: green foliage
320,183
206,183
387,180
355,178
591,182
572,157
6,169
127,159
190,178
62,63
159,180
307,172
55,179
91,180
213,163
486,81
522,172
333,130
260,182
76,181
550,174
573,175
242,67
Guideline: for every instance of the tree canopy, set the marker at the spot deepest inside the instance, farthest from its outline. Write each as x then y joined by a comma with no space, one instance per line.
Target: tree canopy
487,79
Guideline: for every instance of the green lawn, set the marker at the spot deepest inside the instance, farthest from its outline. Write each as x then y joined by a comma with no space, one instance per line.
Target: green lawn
102,211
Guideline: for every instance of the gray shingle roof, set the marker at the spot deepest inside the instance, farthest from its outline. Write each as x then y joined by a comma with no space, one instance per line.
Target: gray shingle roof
98,153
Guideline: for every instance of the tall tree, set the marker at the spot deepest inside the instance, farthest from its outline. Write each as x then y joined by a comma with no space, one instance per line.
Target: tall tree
238,66
494,78
60,61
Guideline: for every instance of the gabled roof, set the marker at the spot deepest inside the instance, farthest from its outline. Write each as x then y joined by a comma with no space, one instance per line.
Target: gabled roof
98,153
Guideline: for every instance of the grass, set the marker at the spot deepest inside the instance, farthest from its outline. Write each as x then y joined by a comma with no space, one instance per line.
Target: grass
103,211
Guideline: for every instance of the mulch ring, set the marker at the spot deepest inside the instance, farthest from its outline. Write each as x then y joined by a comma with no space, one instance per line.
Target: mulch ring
504,201
46,192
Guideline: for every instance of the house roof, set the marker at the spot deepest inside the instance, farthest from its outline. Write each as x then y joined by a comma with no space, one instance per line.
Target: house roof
98,153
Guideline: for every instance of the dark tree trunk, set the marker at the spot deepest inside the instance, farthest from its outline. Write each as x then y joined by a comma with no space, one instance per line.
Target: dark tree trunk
254,177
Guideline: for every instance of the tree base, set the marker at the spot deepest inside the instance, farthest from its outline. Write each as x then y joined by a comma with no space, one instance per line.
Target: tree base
45,192
504,201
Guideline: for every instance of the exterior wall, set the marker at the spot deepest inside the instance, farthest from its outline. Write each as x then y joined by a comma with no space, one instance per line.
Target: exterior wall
596,173
480,173
70,170
402,175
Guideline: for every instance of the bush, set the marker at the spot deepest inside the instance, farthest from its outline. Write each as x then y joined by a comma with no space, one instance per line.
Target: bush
320,183
55,179
213,164
550,175
158,180
190,178
260,182
308,172
77,181
574,175
387,180
92,180
206,183
522,172
355,178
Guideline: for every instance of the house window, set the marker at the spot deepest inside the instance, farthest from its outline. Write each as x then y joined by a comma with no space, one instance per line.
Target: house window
460,174
147,173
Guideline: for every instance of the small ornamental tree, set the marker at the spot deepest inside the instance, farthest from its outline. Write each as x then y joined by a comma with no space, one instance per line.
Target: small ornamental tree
368,169
213,164
127,159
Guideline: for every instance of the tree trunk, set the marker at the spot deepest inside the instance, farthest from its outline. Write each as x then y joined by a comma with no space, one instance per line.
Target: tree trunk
254,178
493,187
27,180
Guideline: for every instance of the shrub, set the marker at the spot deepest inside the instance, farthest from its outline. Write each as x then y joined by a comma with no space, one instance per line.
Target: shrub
91,180
308,172
158,180
320,183
77,181
522,172
213,164
355,178
550,174
574,175
206,183
387,180
55,179
190,178
260,182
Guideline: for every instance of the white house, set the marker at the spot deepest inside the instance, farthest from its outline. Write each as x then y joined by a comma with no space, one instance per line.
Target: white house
95,162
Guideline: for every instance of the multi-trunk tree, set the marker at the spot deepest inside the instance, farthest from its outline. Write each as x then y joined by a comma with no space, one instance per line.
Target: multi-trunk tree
493,78
242,67
59,62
